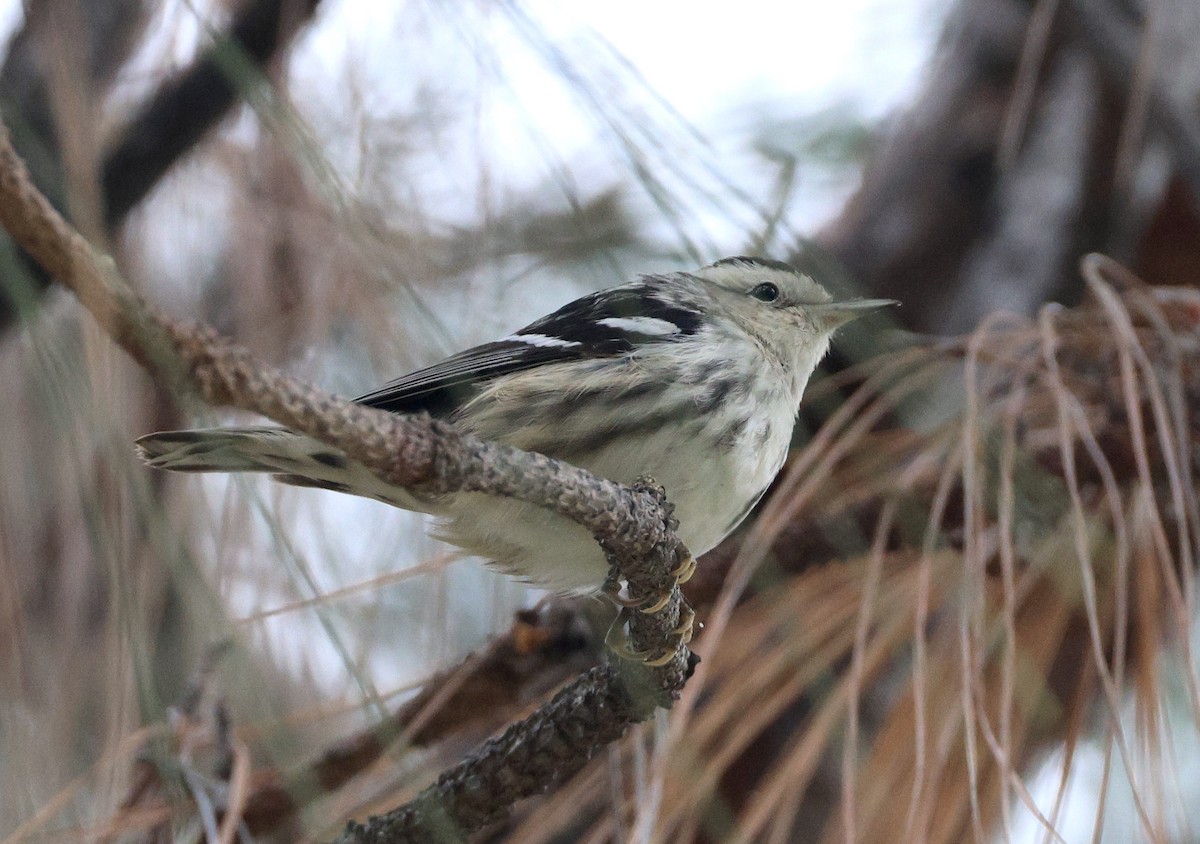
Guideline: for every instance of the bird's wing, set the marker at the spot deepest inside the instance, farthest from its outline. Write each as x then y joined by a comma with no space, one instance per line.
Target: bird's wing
609,323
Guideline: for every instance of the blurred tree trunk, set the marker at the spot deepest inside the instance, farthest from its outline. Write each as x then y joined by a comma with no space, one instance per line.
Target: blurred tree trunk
1045,131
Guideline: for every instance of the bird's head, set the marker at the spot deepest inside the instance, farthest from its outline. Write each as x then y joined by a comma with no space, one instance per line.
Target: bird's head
792,315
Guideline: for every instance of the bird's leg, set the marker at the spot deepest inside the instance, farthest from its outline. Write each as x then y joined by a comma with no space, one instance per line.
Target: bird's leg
658,598
617,638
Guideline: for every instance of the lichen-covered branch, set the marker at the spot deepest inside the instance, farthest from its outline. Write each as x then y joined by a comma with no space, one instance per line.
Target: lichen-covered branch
529,758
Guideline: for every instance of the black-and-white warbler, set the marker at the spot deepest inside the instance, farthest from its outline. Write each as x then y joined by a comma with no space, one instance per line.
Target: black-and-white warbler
693,378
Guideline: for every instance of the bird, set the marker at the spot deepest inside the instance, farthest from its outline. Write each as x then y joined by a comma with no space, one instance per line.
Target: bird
693,378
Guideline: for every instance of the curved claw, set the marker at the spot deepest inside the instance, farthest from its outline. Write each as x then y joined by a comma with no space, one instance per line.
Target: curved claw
618,643
612,588
660,660
617,640
644,657
649,605
663,600
628,603
684,570
687,623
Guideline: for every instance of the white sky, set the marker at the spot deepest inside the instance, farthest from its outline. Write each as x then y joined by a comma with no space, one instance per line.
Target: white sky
680,87
717,66
705,60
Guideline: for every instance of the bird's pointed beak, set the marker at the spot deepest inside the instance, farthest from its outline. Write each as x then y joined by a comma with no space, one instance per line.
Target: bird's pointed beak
837,314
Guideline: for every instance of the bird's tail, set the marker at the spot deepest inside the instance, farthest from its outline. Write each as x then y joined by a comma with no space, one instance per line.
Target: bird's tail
225,450
290,457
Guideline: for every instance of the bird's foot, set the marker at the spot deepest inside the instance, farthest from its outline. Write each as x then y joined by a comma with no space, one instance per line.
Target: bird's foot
618,639
648,604
685,567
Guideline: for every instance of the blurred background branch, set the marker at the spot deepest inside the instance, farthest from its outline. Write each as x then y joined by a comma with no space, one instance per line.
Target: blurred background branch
86,44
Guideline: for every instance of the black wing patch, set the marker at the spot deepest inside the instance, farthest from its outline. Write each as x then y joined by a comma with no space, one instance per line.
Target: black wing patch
606,324
445,386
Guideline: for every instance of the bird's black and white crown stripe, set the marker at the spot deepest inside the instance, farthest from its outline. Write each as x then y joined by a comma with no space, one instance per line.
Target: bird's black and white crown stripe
609,323
752,261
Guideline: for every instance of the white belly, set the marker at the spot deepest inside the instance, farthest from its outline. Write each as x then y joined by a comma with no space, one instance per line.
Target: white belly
712,489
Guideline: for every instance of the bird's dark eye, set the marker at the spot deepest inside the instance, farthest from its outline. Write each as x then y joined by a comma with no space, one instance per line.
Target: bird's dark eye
765,292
